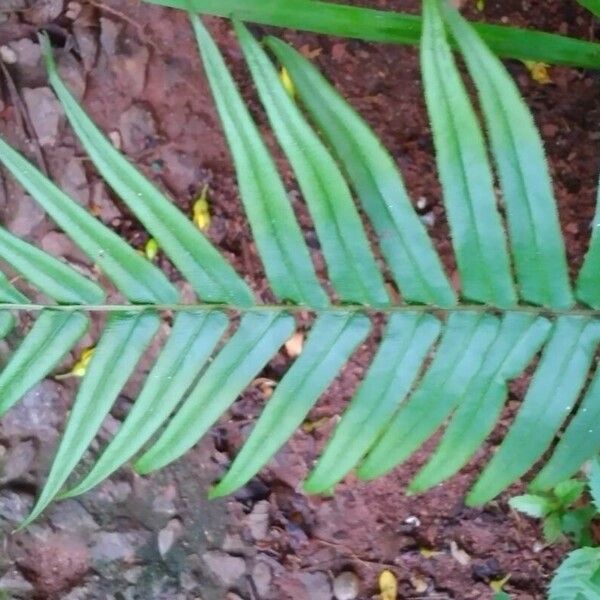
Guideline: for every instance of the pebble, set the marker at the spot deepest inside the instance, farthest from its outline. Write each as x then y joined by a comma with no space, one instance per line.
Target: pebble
258,520
346,586
227,569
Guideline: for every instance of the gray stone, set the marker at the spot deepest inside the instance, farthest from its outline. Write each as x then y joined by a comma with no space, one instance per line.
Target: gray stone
19,459
45,112
227,569
111,546
39,413
137,128
73,181
317,585
346,586
258,520
70,516
261,575
14,507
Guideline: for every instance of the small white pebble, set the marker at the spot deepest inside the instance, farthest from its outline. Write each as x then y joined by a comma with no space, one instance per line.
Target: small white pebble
346,586
115,138
73,10
8,55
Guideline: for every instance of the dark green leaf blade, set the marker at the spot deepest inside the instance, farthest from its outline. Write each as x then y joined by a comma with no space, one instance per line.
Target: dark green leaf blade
592,5
123,342
477,233
388,26
404,242
210,275
594,482
189,346
332,340
519,338
579,442
459,357
407,339
276,231
139,280
551,396
51,337
53,277
534,229
351,265
9,294
256,340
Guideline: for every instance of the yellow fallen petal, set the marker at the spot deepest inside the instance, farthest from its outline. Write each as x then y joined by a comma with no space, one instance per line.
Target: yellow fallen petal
151,249
388,585
80,365
499,583
539,71
287,82
201,210
427,553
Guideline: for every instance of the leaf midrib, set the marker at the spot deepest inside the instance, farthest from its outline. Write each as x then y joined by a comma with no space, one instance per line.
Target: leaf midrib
300,308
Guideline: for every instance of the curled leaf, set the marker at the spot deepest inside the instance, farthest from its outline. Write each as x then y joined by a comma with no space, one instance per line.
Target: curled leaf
81,364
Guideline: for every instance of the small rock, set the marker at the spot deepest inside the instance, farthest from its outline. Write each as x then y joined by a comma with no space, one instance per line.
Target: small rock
227,569
8,55
14,507
73,10
258,520
138,129
70,516
30,70
43,11
39,413
73,181
346,586
18,461
164,500
111,546
261,575
13,582
101,205
45,112
52,562
24,217
87,43
233,543
317,585
168,535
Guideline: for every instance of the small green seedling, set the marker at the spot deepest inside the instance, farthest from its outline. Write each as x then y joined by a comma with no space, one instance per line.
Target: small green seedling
562,511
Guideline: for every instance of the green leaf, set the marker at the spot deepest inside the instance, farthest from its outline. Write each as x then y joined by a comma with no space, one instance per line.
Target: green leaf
588,281
388,26
404,243
592,5
117,353
569,491
535,235
404,347
190,344
577,577
257,339
531,505
552,527
477,234
594,482
440,390
575,524
351,265
330,344
519,338
56,279
210,275
50,339
9,294
139,280
552,394
278,237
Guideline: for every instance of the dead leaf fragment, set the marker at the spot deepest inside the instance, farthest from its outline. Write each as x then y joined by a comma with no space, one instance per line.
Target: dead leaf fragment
287,82
498,584
459,555
388,585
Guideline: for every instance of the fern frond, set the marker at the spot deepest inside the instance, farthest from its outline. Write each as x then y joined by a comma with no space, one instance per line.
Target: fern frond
443,362
578,576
